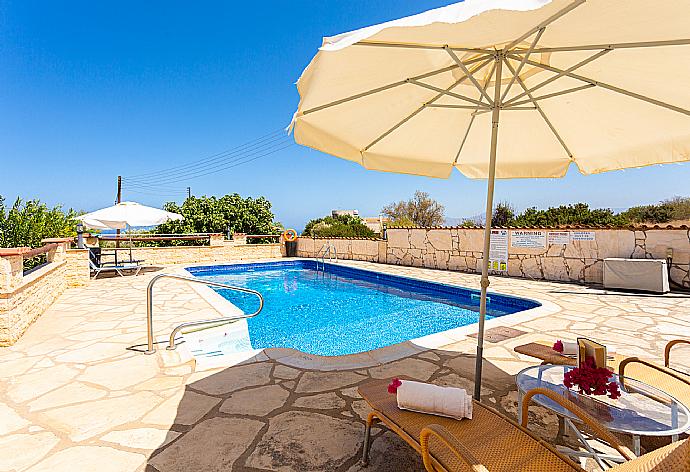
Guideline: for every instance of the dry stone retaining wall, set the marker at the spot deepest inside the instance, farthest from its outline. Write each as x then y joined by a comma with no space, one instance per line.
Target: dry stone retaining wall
370,250
460,249
24,296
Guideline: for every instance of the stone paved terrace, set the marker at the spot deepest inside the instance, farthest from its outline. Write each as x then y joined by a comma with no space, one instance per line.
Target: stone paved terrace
73,397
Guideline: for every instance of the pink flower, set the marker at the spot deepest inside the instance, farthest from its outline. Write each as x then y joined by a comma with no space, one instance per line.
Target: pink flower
591,380
393,386
558,346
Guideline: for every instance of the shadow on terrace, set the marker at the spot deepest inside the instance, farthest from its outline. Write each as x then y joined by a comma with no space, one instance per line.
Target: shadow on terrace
267,416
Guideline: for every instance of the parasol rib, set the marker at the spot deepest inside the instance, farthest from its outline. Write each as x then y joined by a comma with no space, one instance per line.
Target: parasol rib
390,86
450,94
610,87
469,125
559,74
593,47
532,99
420,46
469,74
541,112
544,23
427,104
522,63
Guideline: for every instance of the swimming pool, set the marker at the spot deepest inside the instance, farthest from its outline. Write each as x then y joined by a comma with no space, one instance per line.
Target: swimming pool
342,310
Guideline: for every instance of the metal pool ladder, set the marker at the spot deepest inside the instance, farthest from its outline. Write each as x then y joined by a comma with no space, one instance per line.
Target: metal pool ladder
178,328
328,249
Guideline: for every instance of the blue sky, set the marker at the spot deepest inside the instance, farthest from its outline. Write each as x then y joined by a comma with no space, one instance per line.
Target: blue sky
90,90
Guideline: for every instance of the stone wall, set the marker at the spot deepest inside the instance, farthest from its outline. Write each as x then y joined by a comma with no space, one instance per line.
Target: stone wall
228,251
24,296
77,272
371,250
461,249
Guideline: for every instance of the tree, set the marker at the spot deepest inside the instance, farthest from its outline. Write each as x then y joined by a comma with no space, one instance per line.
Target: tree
677,208
661,213
681,207
26,223
341,226
503,215
421,210
219,215
577,214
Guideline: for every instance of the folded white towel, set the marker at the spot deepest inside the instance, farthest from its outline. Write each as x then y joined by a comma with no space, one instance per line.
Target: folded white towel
434,399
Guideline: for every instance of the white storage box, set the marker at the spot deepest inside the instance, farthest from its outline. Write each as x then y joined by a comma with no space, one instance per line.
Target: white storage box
636,274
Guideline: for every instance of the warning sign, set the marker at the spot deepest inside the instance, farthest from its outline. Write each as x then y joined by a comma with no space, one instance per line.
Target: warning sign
582,235
558,237
498,250
528,239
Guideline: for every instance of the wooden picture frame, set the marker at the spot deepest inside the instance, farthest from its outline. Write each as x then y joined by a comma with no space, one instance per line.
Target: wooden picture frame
588,348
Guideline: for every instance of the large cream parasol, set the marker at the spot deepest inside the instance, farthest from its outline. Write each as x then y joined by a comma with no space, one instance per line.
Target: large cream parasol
602,84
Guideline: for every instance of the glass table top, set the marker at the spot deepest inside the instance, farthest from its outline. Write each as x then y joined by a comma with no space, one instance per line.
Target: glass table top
640,410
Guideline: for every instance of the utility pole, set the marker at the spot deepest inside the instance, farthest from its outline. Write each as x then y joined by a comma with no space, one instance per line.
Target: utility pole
118,200
189,192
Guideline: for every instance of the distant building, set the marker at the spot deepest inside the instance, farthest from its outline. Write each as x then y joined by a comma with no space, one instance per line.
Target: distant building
375,223
345,212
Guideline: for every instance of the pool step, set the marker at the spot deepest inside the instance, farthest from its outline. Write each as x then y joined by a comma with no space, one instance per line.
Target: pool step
221,346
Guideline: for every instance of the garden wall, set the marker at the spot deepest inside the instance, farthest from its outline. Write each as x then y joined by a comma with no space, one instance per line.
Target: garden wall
25,296
371,250
227,251
578,260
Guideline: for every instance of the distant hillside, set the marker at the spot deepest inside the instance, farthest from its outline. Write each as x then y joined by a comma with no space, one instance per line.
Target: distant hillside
476,219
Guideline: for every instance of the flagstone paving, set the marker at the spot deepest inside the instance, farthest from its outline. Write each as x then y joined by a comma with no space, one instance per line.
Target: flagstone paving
78,394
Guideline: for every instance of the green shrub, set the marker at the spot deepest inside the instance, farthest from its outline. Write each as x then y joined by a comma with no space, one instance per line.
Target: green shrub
26,223
231,213
341,226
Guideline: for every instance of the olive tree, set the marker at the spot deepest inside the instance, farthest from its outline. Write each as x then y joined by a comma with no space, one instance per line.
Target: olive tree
420,210
231,213
26,223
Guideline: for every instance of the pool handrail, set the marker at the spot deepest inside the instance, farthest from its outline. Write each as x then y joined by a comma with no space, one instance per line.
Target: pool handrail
178,328
323,252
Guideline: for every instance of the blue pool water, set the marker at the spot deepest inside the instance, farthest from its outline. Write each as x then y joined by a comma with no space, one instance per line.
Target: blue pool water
344,310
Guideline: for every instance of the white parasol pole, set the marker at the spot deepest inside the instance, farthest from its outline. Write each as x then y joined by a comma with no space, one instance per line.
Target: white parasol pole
498,57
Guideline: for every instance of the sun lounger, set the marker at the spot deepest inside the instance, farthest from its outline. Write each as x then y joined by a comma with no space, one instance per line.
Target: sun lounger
490,442
671,381
96,269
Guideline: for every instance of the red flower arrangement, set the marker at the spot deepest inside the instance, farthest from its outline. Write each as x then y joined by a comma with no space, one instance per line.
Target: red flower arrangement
558,346
393,386
591,380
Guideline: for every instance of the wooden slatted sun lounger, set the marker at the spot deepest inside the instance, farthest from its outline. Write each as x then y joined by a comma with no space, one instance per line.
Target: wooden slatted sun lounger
490,442
544,352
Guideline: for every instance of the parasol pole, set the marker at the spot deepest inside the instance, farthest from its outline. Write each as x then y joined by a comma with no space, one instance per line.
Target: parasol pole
498,57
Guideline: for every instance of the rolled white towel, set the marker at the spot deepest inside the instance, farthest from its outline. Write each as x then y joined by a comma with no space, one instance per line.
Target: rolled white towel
433,399
569,349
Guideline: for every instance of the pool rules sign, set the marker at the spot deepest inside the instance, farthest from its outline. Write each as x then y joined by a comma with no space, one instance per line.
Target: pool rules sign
498,250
